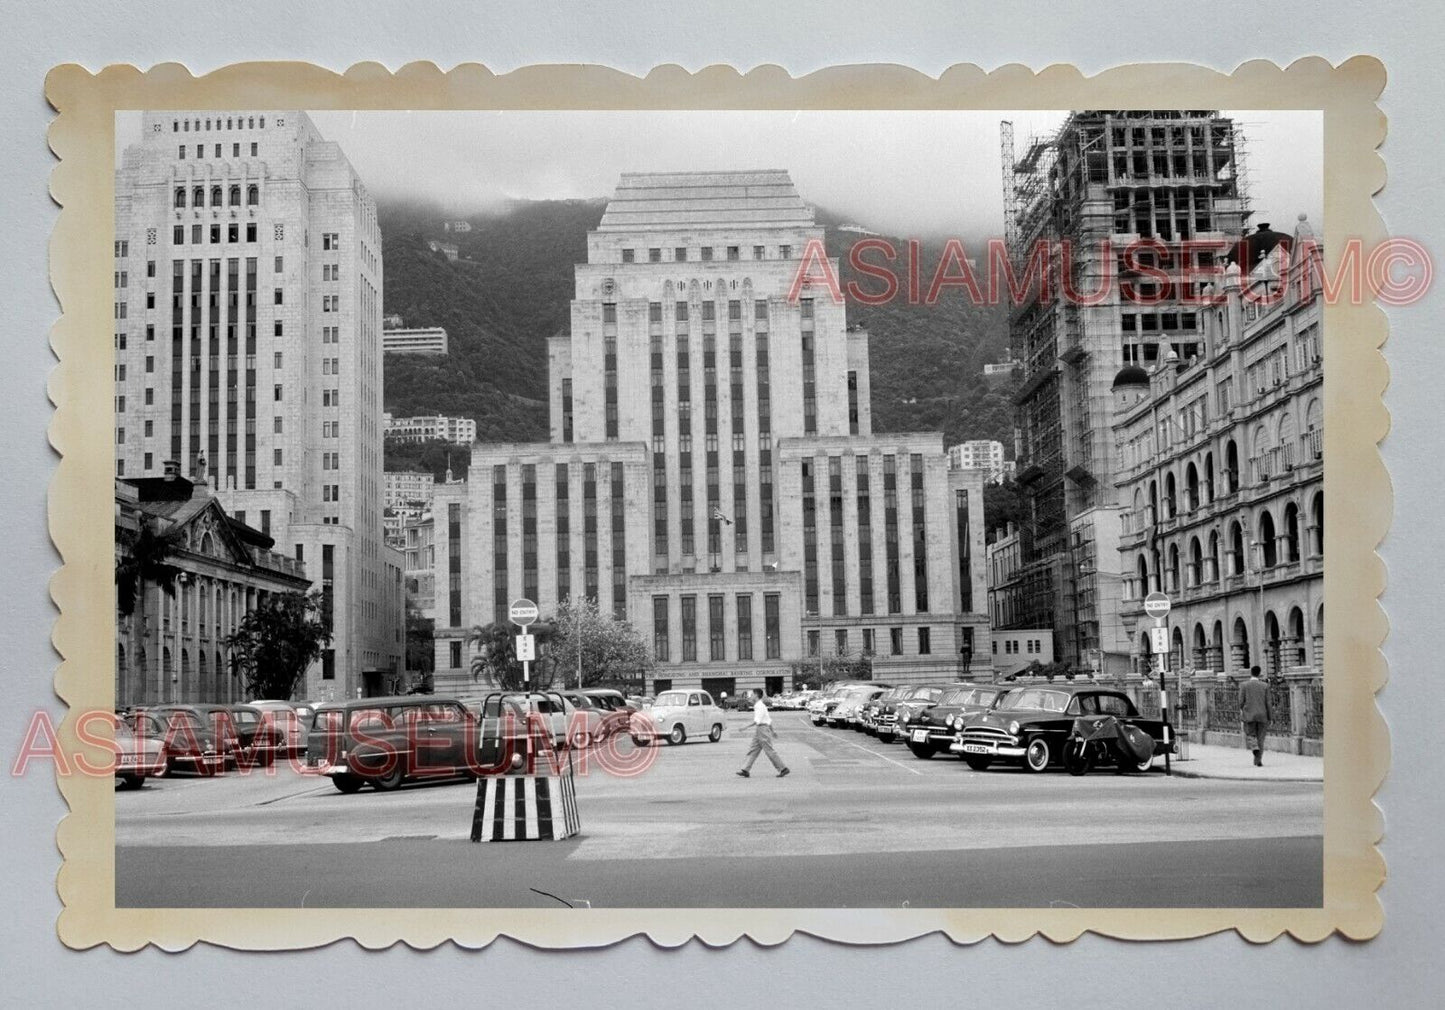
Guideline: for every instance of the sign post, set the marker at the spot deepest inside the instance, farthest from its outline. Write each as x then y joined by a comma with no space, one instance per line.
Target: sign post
523,613
1156,605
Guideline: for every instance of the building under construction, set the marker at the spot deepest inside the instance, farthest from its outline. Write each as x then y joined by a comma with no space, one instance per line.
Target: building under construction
1104,183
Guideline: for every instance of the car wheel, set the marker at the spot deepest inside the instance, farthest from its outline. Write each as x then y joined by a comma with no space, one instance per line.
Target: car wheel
1036,755
1077,758
641,741
347,784
977,762
390,781
922,750
132,781
677,736
716,733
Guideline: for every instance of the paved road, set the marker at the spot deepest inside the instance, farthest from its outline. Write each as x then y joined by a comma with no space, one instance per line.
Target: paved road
858,823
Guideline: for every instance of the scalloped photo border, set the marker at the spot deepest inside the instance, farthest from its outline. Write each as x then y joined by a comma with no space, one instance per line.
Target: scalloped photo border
1357,488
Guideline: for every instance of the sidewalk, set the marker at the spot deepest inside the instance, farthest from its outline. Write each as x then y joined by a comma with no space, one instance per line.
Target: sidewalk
1210,762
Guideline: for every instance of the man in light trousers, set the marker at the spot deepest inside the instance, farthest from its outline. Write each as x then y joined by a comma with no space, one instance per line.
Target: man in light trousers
762,738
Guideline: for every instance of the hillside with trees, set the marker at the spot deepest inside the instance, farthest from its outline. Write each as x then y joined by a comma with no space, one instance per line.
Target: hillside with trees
510,288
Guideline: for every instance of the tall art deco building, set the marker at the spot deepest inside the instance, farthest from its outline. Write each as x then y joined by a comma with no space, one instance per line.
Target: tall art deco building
248,281
712,474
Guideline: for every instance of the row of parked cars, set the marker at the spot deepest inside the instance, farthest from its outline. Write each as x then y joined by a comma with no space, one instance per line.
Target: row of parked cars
383,742
1033,726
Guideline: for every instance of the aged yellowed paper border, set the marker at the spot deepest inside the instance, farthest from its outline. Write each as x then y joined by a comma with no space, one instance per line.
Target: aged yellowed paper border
1357,489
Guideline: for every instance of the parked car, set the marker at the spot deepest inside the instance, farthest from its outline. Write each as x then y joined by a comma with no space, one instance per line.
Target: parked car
383,742
930,730
1031,725
845,713
677,715
821,705
617,711
292,718
140,750
868,715
258,739
897,712
189,736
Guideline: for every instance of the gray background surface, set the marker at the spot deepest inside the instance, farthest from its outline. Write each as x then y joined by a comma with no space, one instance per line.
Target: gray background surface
1399,968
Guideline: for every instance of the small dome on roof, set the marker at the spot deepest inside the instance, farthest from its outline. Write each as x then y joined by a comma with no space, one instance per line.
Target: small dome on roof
1131,375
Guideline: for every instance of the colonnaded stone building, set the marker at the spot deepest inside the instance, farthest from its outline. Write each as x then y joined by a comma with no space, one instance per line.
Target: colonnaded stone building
248,279
712,475
1222,476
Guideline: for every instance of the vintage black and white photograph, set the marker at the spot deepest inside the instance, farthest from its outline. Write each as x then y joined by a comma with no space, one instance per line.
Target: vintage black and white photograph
751,509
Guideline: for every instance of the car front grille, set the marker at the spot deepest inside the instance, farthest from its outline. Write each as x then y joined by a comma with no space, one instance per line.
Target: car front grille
986,734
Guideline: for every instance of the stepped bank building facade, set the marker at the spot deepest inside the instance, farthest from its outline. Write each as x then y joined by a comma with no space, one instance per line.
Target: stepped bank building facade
712,474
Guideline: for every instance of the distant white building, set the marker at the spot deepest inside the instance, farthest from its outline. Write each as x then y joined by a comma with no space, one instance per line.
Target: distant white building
981,454
462,430
427,340
406,489
448,249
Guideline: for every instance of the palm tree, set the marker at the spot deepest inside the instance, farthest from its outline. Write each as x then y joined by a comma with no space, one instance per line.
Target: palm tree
495,659
144,561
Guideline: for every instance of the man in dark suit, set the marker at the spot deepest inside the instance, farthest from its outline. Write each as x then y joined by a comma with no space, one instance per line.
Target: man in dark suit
1254,713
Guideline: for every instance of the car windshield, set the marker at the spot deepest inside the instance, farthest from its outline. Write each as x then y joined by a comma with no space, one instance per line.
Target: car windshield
925,694
669,699
244,716
1038,700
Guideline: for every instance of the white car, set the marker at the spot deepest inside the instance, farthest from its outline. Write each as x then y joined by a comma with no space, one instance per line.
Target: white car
677,715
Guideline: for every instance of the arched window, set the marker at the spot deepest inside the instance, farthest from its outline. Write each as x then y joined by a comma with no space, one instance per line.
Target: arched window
1261,454
1317,524
1191,488
203,678
1231,467
1173,568
1291,532
1269,554
1170,502
1216,646
1236,548
1271,643
1297,654
1211,563
215,196
1312,441
253,195
1142,570
1201,648
167,672
1239,644
180,196
1153,502
1176,652
1286,441
1195,573
198,196
1209,476
235,196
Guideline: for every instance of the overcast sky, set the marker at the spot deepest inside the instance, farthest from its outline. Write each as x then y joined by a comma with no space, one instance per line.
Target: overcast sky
901,173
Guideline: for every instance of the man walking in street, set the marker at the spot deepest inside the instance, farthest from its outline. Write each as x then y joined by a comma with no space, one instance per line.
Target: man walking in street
762,738
1254,713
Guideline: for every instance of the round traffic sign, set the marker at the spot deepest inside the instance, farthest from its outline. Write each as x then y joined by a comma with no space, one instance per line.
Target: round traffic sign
1156,605
522,612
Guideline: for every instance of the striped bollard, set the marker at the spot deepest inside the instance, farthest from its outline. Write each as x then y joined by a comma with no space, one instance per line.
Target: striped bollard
526,808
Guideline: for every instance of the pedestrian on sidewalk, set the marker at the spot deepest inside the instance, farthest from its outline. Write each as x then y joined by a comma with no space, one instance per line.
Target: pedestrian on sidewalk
762,738
1254,713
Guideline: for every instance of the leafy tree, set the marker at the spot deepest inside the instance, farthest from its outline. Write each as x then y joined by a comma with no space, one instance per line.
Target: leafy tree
606,651
1002,504
844,666
277,641
496,663
144,561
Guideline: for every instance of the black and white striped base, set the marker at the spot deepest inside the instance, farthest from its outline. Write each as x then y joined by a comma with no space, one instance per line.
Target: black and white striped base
525,807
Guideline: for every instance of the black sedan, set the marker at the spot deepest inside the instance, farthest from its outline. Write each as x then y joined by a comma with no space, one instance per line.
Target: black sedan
1031,725
933,729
